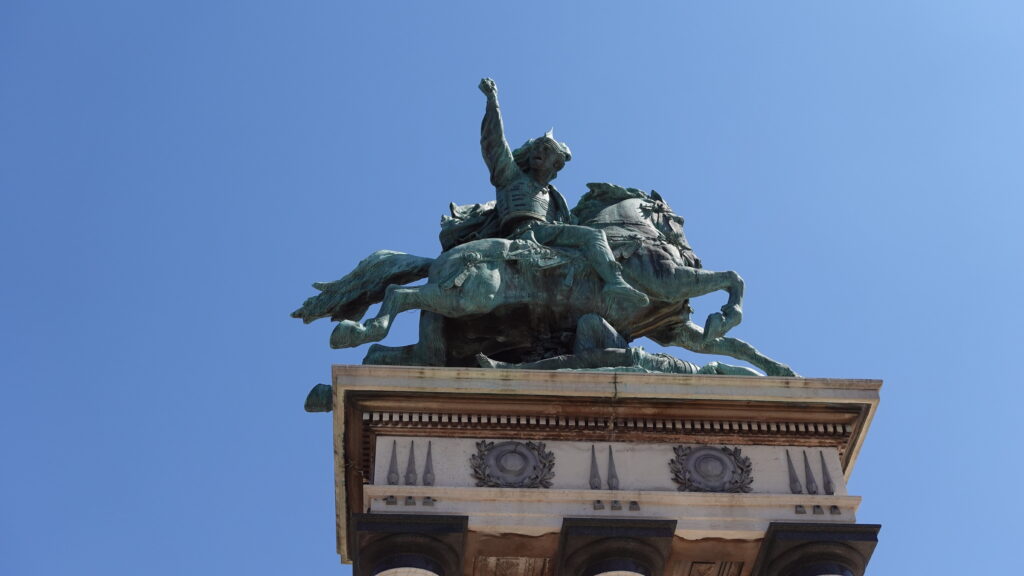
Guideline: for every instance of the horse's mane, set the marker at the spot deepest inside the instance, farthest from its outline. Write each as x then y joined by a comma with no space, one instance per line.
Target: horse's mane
600,196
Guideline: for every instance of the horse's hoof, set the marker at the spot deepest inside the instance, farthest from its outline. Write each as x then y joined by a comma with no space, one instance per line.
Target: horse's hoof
347,334
733,314
715,327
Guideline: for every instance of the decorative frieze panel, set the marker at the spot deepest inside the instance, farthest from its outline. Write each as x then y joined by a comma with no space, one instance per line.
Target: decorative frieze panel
614,467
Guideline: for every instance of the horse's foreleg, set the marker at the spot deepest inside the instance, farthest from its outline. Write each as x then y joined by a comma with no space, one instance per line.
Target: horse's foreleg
697,282
719,323
691,337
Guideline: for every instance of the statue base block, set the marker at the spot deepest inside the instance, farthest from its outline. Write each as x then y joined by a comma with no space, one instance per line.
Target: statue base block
464,471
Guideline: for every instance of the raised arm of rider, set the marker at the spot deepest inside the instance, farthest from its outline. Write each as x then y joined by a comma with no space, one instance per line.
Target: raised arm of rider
493,145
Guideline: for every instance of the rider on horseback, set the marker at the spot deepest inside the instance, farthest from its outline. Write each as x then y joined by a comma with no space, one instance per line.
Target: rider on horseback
530,207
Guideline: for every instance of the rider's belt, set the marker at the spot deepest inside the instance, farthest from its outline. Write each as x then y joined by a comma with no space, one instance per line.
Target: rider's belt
522,200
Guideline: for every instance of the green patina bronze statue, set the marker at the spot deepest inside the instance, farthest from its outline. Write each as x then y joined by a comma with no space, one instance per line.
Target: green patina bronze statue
523,282
530,207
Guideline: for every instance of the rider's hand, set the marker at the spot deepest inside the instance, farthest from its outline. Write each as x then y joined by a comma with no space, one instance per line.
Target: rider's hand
488,87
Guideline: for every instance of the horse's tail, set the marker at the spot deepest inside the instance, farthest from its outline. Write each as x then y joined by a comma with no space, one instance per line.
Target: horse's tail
349,297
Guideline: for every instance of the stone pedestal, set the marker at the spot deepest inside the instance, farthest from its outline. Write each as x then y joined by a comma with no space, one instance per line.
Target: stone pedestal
456,471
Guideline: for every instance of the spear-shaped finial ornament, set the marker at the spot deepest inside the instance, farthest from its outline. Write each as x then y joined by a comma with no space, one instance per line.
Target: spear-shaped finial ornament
410,468
393,466
613,476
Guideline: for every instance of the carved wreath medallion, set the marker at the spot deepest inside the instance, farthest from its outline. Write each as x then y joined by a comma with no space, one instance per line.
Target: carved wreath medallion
512,464
709,469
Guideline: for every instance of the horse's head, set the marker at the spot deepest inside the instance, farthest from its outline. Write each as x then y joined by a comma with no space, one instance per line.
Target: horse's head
665,221
608,205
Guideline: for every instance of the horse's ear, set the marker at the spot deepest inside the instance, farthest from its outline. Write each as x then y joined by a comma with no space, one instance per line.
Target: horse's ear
656,196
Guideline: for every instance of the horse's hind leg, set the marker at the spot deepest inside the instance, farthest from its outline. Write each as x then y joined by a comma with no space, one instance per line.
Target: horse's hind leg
477,296
397,299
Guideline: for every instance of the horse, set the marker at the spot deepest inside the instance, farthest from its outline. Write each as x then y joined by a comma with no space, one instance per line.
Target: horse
517,298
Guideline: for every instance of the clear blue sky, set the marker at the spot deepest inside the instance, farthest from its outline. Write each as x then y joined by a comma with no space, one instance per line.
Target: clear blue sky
174,175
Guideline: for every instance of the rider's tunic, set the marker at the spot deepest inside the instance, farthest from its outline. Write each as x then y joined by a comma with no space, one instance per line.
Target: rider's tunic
522,199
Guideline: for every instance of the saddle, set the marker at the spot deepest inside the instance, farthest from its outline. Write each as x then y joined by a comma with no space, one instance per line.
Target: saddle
525,251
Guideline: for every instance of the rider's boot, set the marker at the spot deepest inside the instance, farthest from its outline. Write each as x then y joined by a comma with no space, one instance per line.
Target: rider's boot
616,287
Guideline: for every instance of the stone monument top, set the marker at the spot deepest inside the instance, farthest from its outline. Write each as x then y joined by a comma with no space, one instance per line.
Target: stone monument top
485,449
